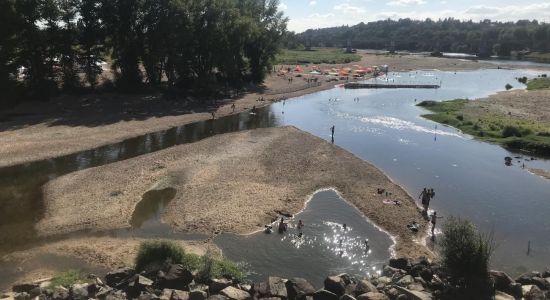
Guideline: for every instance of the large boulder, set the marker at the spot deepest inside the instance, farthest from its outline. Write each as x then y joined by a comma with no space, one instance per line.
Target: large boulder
347,297
179,295
373,296
299,288
502,281
115,278
405,280
174,277
217,285
533,278
532,292
234,293
335,284
24,287
503,296
276,287
414,295
400,263
198,295
61,293
324,295
80,291
364,286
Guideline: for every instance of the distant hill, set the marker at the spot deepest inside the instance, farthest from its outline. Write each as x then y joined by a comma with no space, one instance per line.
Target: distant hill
484,38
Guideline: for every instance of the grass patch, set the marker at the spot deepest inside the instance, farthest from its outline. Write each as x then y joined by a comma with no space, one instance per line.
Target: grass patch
510,131
538,56
209,266
67,279
316,56
538,83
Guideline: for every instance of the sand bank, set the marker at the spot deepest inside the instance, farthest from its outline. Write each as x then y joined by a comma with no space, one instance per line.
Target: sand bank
229,183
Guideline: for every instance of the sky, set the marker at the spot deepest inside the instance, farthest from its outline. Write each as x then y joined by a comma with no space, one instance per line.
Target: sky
306,14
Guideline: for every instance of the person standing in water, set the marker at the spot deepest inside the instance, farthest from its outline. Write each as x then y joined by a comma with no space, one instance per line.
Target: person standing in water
433,220
332,130
425,197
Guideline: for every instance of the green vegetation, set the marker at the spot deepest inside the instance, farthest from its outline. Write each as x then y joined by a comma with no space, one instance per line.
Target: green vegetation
187,45
542,57
466,254
512,132
316,56
67,279
209,266
538,83
445,35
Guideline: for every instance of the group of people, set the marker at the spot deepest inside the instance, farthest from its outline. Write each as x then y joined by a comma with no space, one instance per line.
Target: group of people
426,196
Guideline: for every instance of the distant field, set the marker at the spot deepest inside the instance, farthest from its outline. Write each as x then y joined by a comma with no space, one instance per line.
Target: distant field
493,127
538,84
544,57
316,56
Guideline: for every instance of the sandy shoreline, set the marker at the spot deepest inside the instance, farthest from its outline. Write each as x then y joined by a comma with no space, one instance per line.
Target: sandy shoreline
229,183
90,254
72,124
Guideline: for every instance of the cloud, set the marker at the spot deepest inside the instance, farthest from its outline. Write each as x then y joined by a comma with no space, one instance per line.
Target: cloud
283,6
312,3
348,9
406,2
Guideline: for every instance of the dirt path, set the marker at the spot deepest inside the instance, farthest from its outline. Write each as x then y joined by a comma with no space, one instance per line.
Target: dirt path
68,124
228,183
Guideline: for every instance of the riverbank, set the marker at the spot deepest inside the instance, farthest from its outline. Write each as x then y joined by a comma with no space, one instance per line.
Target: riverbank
236,182
69,124
87,254
517,119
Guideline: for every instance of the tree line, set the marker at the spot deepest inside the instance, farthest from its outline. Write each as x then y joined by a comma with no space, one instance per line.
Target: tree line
52,45
484,38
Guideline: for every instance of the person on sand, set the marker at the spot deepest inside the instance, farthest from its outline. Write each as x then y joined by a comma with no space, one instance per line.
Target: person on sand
332,130
233,107
425,196
213,115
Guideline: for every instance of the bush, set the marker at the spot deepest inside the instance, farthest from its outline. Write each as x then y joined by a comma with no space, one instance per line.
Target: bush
213,265
509,131
508,86
466,255
160,251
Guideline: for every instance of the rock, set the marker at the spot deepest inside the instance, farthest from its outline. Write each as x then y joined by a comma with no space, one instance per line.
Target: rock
405,280
384,280
197,295
115,278
389,271
60,293
414,295
176,277
347,297
324,295
373,296
503,296
24,287
22,296
415,287
276,287
35,292
103,292
299,288
235,294
532,292
364,286
221,297
260,288
516,290
546,273
426,273
533,278
502,281
270,298
420,261
147,296
198,287
217,285
400,263
179,295
79,291
245,287
392,293
166,294
335,284
346,278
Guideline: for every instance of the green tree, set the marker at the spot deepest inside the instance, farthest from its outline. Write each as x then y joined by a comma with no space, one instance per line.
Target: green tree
8,42
91,39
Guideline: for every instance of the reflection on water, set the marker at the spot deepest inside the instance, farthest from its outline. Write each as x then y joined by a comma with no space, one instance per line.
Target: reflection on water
323,247
150,207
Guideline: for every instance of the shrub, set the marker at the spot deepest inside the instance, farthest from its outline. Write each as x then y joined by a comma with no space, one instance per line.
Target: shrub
213,265
509,131
466,255
158,252
508,86
460,117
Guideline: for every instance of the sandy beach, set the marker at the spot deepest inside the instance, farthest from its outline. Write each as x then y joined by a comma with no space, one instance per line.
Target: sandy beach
68,124
90,254
229,183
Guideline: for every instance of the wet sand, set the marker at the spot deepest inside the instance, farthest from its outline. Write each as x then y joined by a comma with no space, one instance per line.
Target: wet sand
541,173
68,124
229,183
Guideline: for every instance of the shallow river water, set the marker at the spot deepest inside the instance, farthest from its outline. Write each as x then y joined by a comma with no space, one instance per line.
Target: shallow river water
383,127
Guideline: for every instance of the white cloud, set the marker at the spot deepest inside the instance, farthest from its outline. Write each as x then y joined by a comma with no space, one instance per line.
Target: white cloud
283,6
312,3
406,2
348,9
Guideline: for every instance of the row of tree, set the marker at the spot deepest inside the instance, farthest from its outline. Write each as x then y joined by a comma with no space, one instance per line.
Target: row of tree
449,35
46,45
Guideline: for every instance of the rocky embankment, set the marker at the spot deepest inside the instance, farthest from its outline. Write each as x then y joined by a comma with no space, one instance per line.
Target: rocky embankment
401,279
